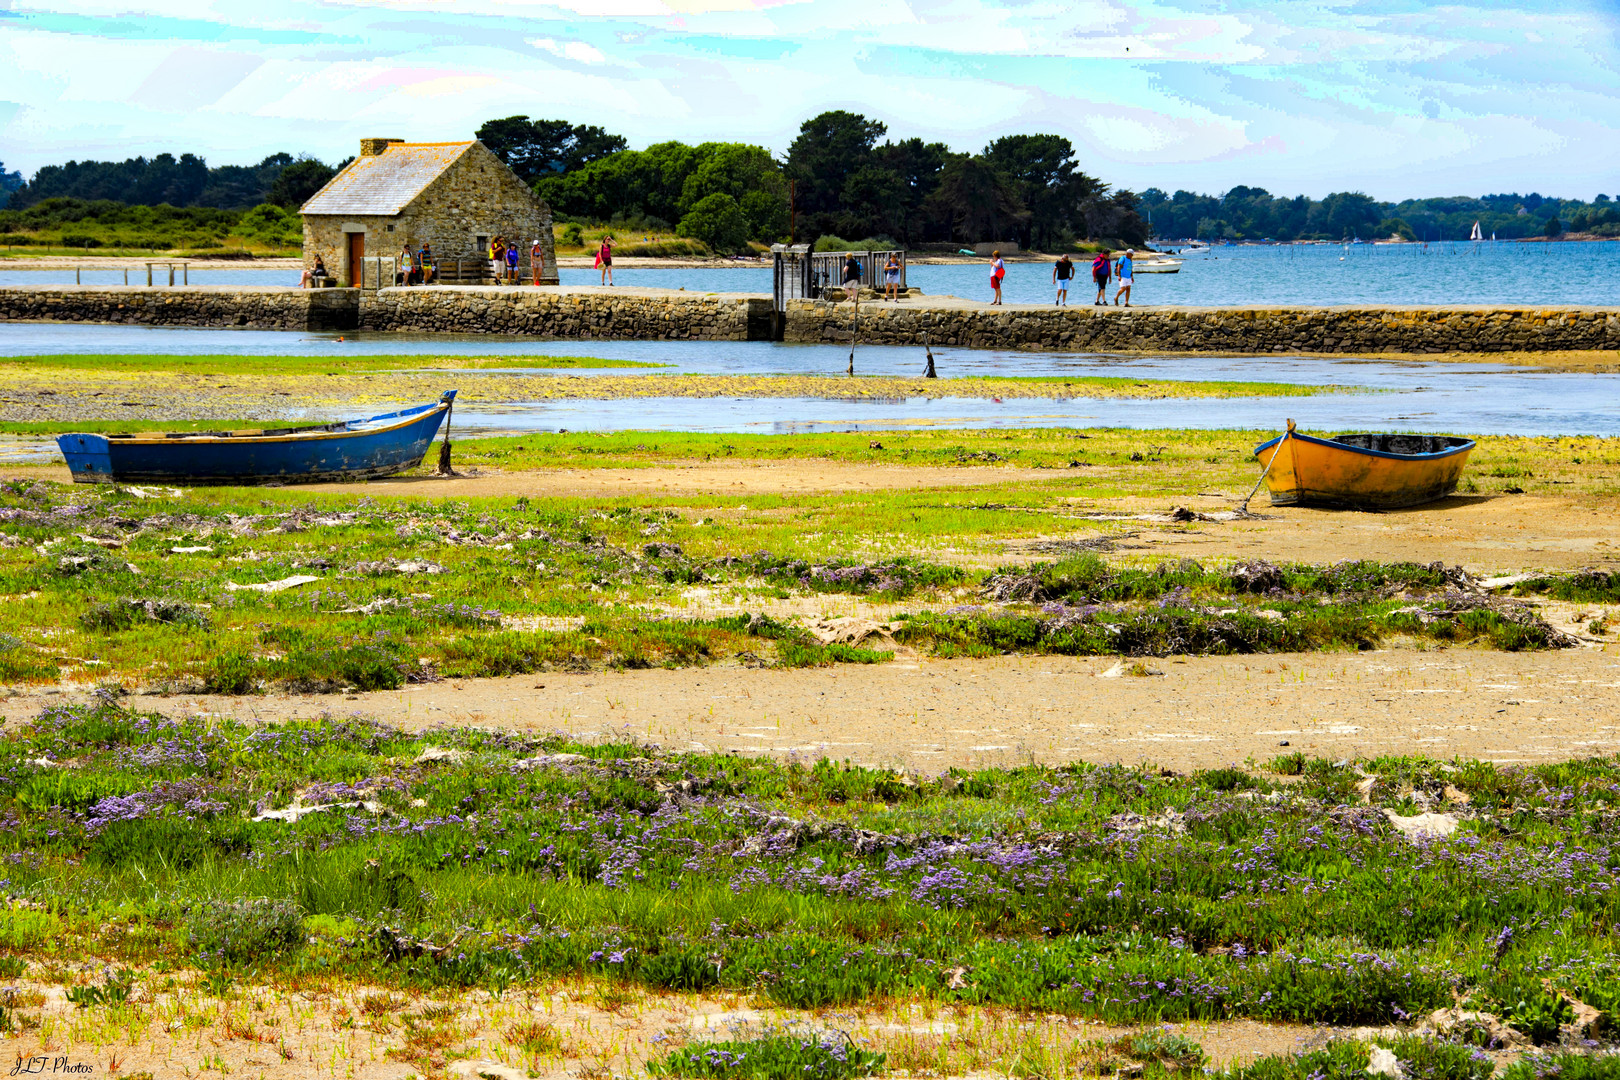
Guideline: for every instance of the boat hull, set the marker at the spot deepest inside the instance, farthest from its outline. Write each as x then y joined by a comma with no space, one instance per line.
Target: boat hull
1362,472
379,446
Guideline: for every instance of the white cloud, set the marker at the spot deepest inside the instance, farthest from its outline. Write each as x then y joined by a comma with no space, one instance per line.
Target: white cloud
1394,96
577,51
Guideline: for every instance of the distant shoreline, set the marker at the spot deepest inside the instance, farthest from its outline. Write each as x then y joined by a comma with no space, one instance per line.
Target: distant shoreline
638,262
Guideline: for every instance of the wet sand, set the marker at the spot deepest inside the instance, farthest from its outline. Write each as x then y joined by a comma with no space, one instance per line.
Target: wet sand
928,715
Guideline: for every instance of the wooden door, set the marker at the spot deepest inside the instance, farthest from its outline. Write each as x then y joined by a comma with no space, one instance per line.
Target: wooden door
357,257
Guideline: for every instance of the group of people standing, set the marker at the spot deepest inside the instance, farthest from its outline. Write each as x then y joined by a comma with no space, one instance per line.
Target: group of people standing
416,267
1103,269
891,276
505,259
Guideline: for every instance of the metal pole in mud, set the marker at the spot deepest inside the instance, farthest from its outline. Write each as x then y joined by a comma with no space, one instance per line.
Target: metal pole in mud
928,372
854,326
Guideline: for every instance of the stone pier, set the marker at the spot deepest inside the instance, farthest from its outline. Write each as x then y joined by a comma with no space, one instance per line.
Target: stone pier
631,313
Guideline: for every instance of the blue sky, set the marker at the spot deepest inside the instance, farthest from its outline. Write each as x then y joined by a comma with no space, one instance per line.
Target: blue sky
1394,98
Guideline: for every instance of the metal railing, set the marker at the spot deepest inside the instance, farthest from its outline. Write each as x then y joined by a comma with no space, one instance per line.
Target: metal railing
385,271
827,268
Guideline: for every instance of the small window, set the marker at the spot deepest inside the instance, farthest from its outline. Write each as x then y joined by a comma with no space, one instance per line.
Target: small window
390,228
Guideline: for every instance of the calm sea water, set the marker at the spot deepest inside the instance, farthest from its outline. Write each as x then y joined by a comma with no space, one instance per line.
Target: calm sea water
1448,273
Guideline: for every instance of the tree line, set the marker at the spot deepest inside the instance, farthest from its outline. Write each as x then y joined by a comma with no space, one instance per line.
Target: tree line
1253,213
840,178
187,181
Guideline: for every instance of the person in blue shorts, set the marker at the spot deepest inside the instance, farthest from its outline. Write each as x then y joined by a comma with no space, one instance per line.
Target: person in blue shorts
512,255
1061,273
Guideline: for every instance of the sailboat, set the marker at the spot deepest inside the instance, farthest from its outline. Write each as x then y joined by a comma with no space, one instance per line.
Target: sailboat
1476,234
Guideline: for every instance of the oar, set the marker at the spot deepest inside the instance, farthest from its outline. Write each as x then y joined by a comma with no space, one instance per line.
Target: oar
1243,508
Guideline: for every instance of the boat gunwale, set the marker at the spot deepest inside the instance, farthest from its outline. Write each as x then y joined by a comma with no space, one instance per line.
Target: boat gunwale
1464,447
407,417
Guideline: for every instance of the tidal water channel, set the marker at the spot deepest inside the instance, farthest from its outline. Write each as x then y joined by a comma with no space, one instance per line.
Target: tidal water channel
1369,394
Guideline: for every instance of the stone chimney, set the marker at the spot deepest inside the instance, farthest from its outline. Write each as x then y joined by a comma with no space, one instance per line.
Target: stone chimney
373,147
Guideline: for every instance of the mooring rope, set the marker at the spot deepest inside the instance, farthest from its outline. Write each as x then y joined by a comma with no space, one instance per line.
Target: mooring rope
444,447
1243,507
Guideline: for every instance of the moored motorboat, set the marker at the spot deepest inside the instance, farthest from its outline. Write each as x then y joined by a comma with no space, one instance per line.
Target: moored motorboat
380,445
1365,471
1158,266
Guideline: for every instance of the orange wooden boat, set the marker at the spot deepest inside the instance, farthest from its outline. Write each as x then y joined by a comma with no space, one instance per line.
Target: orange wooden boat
1369,471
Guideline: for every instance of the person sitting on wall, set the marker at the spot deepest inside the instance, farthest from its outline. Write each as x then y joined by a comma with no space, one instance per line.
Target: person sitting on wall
314,277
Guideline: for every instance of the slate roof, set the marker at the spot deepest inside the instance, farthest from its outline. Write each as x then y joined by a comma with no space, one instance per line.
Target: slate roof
387,182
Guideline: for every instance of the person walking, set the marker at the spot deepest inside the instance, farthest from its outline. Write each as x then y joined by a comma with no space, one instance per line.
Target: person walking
407,267
1125,269
424,264
891,278
1061,273
852,278
512,256
537,259
1100,267
998,270
604,259
497,256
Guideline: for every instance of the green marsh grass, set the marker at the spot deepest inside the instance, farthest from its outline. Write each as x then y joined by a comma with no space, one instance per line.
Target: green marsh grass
1131,895
411,590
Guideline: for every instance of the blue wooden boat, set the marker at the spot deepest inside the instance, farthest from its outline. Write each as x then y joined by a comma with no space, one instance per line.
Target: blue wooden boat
351,450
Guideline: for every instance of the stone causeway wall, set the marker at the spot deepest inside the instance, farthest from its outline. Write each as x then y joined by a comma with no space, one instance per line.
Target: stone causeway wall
626,316
1194,330
645,315
194,305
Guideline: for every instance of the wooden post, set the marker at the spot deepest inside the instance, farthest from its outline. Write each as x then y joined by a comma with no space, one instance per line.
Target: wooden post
148,275
126,275
185,273
171,275
76,276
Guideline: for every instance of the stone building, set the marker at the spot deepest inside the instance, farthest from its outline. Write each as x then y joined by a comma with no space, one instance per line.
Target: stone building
453,196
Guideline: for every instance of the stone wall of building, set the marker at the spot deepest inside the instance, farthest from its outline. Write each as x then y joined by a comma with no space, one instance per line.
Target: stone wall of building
1232,330
268,308
620,315
476,197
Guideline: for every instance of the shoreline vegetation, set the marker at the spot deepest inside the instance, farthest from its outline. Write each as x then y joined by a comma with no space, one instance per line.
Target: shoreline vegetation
208,876
575,242
265,588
